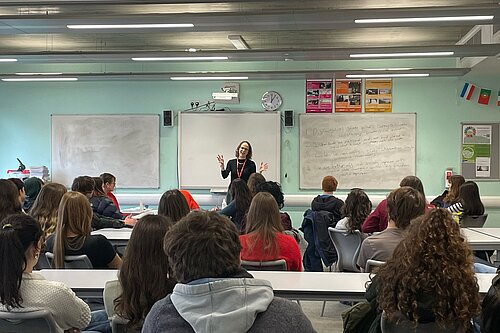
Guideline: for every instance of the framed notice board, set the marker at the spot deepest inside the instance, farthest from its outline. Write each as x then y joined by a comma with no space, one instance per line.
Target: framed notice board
480,150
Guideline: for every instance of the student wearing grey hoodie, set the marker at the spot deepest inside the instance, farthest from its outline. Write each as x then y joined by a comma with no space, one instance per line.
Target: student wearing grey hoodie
215,294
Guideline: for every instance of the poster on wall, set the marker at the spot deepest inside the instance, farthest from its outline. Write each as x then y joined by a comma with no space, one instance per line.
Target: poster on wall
476,148
378,95
319,96
347,95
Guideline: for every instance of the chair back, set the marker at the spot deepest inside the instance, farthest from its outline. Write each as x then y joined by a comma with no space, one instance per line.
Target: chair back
347,244
403,325
274,265
473,221
371,264
119,325
40,321
71,262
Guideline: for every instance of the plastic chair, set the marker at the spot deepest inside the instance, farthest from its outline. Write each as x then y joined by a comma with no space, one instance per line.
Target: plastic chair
119,325
40,321
473,221
72,262
347,244
274,265
403,325
371,264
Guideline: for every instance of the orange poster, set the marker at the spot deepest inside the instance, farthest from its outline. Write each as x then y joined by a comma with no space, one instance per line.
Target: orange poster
347,95
378,95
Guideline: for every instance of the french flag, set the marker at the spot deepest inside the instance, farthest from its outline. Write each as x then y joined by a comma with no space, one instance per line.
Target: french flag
467,90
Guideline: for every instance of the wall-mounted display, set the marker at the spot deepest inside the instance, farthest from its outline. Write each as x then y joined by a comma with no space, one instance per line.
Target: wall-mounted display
347,95
378,95
319,96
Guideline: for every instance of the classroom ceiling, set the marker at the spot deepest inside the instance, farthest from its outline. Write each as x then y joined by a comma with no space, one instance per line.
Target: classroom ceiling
35,31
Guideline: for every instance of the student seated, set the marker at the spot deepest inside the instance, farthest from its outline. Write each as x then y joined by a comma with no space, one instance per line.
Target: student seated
450,196
173,205
72,236
9,199
101,204
108,185
144,275
490,321
327,201
238,208
45,208
254,180
469,201
20,188
190,200
214,293
430,277
32,186
22,290
356,208
274,188
403,205
264,239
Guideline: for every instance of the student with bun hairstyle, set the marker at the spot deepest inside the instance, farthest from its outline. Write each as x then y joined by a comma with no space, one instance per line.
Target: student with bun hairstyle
72,236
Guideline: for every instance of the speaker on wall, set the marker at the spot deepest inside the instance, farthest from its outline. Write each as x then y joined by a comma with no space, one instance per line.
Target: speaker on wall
167,118
288,118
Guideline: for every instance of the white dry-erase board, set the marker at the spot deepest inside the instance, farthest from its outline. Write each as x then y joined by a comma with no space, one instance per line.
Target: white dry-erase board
203,135
128,146
367,150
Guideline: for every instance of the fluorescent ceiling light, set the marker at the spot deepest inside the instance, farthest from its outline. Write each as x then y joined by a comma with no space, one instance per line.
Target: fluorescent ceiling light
22,73
8,60
130,26
427,19
238,42
400,54
38,79
360,76
388,69
187,78
178,58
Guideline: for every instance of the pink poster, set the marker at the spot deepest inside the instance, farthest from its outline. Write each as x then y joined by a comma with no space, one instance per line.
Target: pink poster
319,96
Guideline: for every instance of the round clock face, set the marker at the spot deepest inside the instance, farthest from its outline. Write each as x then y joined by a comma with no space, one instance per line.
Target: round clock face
271,100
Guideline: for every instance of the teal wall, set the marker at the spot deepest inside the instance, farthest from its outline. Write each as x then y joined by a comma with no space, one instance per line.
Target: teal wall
25,110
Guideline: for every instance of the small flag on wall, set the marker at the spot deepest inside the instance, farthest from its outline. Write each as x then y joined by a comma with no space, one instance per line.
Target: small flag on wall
484,96
467,90
498,101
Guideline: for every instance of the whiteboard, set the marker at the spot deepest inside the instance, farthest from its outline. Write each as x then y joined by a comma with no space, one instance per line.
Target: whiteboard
127,146
204,135
367,150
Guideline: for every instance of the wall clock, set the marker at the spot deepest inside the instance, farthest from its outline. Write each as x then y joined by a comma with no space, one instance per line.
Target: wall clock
271,101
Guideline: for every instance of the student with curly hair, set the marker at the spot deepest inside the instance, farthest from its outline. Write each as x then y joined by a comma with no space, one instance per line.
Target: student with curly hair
355,210
430,277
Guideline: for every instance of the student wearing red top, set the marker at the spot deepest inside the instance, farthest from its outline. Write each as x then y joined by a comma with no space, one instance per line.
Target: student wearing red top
265,240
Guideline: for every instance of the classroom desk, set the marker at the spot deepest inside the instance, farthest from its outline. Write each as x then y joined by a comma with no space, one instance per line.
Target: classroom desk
117,237
316,286
481,241
493,232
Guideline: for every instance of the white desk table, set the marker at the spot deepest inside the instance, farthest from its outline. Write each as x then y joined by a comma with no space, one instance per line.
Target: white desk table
115,236
481,241
292,285
493,232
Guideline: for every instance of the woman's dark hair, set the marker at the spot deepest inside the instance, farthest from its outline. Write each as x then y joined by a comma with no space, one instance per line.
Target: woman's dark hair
405,204
413,182
470,199
275,189
455,182
18,182
490,321
83,184
98,190
17,233
46,205
356,208
249,154
107,178
9,199
173,204
241,195
144,274
254,180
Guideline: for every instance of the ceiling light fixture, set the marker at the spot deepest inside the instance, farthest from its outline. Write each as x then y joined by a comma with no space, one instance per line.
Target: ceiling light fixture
401,54
187,78
361,76
130,26
40,79
8,60
388,69
22,73
238,42
427,19
178,58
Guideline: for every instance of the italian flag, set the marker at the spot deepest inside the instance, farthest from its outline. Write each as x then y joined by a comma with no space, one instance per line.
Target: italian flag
484,96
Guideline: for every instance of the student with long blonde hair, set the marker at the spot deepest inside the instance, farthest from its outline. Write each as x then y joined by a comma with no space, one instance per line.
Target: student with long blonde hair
72,236
264,239
45,207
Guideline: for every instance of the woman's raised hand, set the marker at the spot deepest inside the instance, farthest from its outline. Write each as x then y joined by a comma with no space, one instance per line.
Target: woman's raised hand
263,167
220,159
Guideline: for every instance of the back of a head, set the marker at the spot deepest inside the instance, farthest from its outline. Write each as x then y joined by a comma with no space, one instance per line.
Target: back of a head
404,204
329,184
490,321
254,180
32,187
470,199
17,233
435,262
18,182
413,182
98,189
83,184
263,215
275,189
46,205
173,204
357,207
455,182
9,199
143,264
202,245
107,178
241,195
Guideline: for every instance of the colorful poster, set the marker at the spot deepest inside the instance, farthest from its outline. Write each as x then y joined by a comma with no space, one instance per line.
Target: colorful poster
483,165
378,95
478,134
347,95
319,96
476,147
